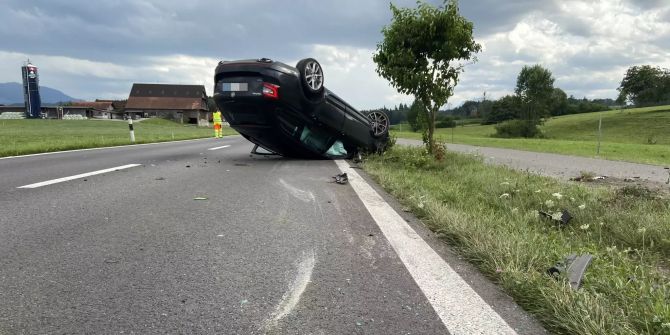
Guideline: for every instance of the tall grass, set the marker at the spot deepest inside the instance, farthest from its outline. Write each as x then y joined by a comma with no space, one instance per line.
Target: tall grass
490,214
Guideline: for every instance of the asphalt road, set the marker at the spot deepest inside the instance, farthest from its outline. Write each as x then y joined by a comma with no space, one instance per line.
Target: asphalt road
273,246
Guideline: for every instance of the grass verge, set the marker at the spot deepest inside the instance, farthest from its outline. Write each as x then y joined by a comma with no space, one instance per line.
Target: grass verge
21,137
489,214
639,135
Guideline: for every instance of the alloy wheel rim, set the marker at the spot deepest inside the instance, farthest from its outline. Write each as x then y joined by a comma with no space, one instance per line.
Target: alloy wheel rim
314,76
379,123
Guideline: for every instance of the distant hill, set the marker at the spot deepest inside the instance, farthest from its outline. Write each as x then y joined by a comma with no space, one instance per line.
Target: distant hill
12,93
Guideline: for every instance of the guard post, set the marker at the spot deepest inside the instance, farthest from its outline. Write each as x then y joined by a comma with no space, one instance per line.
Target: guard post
130,127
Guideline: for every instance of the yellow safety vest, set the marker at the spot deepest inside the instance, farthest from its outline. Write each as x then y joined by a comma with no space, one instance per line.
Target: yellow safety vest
217,117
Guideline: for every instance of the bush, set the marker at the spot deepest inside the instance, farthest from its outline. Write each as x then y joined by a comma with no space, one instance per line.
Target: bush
517,128
445,123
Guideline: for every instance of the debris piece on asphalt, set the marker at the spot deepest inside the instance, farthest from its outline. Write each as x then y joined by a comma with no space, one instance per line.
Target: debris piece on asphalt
188,166
111,260
562,218
200,198
573,267
341,178
241,164
160,178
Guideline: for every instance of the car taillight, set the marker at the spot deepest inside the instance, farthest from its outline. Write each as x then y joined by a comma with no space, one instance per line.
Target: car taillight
271,91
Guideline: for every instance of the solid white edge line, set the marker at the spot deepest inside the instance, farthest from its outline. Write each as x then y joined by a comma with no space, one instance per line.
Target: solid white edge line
83,175
217,148
459,307
112,147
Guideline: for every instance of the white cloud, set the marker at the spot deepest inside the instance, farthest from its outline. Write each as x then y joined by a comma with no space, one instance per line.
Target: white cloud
350,73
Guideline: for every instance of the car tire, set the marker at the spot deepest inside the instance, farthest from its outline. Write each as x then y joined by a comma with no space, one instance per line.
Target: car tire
311,77
379,122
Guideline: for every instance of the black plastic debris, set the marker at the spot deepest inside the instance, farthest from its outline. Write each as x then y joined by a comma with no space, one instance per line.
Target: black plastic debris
562,218
573,267
341,178
160,178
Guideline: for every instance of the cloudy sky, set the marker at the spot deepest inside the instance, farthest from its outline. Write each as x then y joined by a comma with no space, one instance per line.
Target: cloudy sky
97,49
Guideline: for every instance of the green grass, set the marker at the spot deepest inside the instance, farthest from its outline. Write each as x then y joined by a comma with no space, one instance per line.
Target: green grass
627,135
489,213
20,137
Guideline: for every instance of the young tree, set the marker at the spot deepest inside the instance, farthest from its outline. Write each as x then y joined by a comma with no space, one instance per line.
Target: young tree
422,54
534,86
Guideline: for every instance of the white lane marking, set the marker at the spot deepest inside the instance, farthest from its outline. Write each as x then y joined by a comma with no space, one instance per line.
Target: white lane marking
113,147
304,196
83,175
461,309
291,297
217,148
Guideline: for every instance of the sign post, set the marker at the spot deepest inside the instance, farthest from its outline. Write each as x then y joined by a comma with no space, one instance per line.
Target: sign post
132,132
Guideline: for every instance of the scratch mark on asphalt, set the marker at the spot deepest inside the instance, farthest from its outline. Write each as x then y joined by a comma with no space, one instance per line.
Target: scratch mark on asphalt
302,195
291,297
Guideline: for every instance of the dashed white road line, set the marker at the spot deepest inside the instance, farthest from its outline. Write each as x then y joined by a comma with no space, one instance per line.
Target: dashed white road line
459,307
217,148
83,175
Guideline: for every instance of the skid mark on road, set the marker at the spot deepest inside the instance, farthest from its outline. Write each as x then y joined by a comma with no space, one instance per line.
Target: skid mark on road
459,307
291,298
304,196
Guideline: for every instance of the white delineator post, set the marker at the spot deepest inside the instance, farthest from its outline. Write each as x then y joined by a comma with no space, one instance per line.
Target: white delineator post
132,132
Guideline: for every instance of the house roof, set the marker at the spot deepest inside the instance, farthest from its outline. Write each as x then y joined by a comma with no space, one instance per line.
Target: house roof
167,97
101,105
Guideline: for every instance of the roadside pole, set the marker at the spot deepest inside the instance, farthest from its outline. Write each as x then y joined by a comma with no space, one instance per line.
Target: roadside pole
600,133
132,132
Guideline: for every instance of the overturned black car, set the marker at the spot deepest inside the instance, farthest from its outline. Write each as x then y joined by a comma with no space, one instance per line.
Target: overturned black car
287,110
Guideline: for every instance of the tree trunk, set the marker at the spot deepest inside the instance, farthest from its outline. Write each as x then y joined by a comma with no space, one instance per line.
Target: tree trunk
431,130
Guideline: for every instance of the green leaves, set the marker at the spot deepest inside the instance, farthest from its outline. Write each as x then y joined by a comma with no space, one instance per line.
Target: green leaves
422,51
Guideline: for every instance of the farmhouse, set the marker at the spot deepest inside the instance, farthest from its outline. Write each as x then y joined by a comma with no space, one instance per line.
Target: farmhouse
183,103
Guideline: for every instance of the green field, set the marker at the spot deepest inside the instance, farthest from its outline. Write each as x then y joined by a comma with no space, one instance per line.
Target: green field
490,214
636,135
20,137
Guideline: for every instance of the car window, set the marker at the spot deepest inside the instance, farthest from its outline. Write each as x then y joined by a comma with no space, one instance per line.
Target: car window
316,139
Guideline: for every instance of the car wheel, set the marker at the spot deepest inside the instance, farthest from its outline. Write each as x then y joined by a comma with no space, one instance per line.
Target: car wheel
379,123
311,76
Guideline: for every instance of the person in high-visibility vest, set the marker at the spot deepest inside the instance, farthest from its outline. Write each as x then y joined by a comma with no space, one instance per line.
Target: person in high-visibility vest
218,132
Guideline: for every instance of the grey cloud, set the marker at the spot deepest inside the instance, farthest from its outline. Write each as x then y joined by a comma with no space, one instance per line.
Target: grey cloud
491,16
